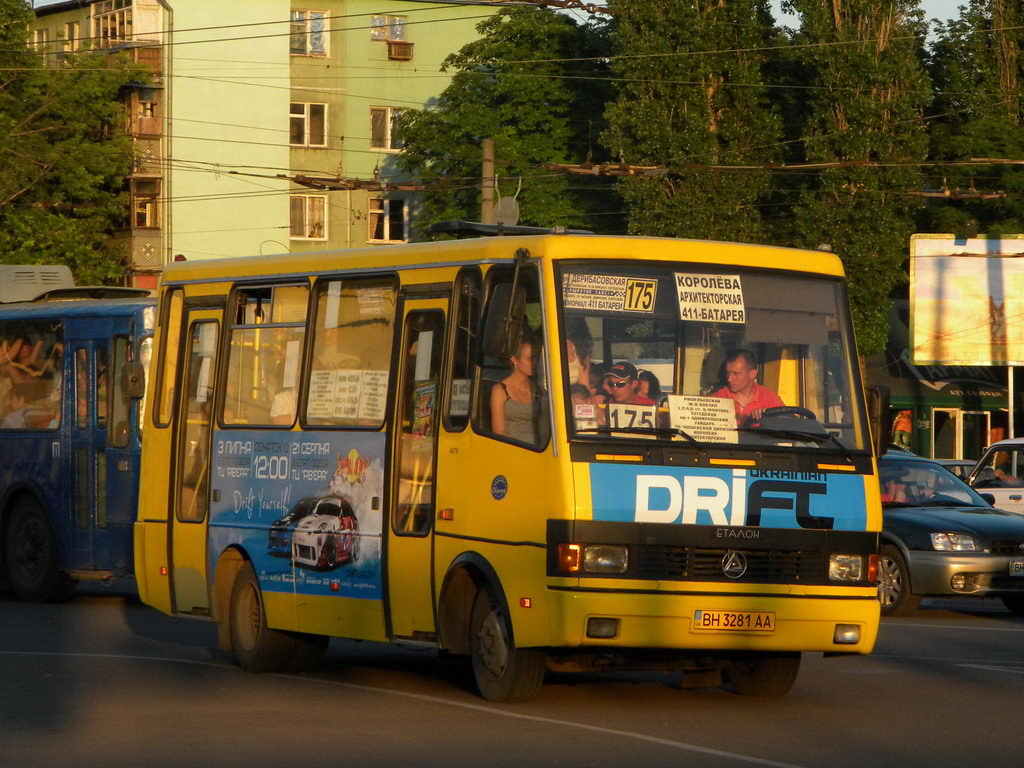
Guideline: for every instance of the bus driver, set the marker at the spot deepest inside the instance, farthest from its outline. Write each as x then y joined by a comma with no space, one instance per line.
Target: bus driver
750,398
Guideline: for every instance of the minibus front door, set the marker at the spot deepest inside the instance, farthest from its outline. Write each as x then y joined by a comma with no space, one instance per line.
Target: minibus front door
415,425
191,487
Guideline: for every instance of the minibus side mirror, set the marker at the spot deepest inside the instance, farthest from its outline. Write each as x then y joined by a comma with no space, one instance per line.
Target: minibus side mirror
133,380
989,499
504,323
879,417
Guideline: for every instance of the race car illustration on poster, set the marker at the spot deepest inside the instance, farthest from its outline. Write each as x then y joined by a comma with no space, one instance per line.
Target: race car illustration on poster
318,533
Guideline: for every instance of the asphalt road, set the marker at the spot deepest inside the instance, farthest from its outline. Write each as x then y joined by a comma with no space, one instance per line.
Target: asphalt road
105,681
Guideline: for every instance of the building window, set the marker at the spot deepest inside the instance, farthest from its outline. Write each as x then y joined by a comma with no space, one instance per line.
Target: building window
72,36
112,22
387,28
308,217
382,127
387,220
40,38
308,125
146,203
146,113
308,34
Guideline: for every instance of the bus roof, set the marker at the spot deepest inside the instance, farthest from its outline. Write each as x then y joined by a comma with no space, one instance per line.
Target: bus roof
35,310
493,249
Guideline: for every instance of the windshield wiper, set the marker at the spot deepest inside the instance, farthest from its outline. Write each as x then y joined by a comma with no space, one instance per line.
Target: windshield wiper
657,431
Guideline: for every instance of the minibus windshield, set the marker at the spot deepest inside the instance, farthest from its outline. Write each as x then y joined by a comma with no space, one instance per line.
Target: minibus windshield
709,355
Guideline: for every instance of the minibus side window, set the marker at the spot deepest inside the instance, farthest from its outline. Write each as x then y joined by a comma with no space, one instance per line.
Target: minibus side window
512,402
351,359
465,319
265,355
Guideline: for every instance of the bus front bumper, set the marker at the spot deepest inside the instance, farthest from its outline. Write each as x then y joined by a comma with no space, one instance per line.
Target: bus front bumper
838,623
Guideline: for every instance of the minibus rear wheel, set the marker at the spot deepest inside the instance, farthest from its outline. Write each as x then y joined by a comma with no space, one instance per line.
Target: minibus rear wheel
503,672
257,647
768,674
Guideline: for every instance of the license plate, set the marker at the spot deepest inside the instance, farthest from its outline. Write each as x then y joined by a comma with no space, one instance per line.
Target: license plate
1016,567
733,621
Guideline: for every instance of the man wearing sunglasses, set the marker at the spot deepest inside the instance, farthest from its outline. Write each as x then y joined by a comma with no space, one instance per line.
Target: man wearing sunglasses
622,383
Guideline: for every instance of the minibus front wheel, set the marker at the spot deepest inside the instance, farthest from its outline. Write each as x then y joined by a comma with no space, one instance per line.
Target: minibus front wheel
503,672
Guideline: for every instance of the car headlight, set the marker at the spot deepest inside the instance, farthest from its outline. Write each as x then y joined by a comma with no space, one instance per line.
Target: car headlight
954,542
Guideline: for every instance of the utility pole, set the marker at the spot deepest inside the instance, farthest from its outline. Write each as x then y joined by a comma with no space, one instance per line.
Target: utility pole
487,187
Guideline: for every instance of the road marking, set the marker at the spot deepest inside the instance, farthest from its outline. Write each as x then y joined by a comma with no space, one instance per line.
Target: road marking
941,658
954,626
988,668
679,745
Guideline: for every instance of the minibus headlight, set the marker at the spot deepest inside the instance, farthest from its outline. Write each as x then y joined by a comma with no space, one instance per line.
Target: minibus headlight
953,542
845,567
605,558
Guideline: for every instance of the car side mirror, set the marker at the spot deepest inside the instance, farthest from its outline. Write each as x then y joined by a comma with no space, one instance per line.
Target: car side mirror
989,499
133,380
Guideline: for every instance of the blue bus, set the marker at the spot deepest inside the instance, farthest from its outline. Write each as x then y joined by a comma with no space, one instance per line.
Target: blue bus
72,370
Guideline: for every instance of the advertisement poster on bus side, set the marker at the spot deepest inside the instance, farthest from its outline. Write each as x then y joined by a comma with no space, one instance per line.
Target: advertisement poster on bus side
306,506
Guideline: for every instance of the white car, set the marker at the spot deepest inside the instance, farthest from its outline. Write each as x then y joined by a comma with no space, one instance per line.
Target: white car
999,473
328,536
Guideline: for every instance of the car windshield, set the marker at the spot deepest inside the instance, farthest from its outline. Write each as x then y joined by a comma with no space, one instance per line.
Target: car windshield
923,483
709,355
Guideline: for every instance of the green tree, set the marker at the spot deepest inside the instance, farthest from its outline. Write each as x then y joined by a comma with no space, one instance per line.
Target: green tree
680,104
869,90
62,155
976,67
509,85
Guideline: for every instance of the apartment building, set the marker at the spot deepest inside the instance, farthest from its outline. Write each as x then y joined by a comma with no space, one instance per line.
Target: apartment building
265,126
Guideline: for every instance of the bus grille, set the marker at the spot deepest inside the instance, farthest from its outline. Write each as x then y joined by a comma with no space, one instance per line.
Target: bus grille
665,562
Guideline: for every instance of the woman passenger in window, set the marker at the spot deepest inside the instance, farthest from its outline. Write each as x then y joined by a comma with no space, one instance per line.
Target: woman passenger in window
512,398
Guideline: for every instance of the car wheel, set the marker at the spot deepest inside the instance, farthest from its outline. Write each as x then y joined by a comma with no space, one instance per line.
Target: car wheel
770,674
30,553
331,551
894,584
1015,603
503,672
257,647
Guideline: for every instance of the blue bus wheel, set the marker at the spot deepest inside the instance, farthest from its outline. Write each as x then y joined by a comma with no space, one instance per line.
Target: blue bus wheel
30,553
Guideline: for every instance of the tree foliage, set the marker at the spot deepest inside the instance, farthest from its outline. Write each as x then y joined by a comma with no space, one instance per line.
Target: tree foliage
869,90
679,104
976,66
510,86
62,154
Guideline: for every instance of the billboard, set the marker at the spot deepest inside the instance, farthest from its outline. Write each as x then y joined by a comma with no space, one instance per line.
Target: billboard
966,300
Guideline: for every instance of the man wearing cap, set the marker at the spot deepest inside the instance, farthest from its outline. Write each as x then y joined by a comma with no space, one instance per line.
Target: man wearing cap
749,397
622,383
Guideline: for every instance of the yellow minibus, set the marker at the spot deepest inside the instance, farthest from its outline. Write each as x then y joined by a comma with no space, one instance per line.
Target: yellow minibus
541,451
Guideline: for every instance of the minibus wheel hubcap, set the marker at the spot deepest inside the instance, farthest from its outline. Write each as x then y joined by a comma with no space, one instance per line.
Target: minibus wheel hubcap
493,645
